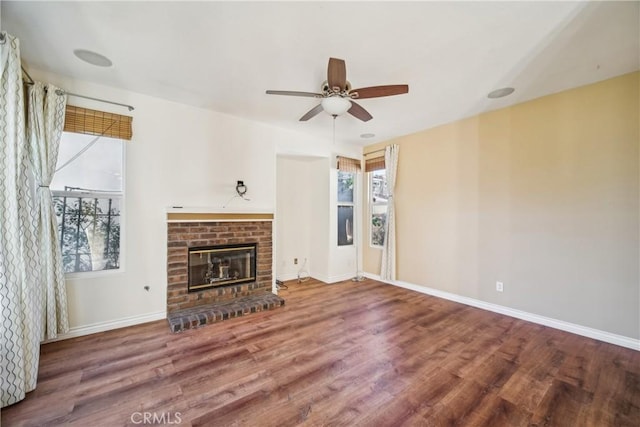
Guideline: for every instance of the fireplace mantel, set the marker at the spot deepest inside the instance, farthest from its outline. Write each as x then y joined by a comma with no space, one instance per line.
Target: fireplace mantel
204,214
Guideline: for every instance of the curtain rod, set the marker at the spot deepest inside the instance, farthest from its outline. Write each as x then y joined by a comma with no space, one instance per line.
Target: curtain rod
63,92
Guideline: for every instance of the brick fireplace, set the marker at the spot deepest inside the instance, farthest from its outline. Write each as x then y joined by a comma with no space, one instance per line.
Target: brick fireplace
194,308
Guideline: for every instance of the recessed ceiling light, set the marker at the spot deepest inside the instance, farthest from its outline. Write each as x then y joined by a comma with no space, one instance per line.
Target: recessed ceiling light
93,58
499,93
367,135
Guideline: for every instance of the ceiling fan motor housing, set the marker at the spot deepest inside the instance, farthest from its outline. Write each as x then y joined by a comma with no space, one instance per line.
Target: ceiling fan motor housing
327,91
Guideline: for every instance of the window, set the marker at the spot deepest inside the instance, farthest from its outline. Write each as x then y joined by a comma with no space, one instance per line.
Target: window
346,182
378,198
88,197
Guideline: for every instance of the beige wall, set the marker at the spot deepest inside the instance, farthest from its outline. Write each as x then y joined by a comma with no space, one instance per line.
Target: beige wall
542,196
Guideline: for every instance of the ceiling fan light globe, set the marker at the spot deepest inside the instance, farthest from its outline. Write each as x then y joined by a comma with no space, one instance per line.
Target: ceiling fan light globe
336,105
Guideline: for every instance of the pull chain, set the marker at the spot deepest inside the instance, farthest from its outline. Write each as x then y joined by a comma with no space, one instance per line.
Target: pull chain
334,128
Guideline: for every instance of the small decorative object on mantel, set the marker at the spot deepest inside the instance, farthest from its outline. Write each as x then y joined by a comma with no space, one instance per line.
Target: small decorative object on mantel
241,189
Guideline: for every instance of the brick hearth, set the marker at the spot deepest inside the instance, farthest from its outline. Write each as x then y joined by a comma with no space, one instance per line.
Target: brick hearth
195,317
209,305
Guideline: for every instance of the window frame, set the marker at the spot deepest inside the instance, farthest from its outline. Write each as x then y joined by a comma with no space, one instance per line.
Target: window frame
121,196
351,204
371,204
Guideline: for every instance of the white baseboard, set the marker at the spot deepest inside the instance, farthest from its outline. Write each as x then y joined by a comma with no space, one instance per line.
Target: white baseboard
341,277
585,331
320,277
289,276
107,326
332,279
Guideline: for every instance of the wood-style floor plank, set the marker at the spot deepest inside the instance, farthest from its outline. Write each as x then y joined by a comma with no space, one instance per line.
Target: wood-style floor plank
348,354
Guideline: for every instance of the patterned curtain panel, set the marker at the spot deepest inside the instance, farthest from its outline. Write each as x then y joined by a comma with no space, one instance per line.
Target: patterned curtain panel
388,267
45,120
20,329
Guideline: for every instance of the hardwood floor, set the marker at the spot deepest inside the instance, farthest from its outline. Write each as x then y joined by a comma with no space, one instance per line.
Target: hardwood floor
344,354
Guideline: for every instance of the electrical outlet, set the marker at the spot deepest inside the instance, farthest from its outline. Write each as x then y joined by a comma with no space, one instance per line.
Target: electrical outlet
499,286
295,261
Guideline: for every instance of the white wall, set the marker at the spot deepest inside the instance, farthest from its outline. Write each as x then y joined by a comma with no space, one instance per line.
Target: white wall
179,155
320,218
293,215
306,219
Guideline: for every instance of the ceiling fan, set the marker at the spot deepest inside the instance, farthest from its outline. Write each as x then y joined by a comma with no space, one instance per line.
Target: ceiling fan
338,96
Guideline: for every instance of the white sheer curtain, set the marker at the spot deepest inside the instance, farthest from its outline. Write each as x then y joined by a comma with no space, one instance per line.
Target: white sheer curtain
45,121
388,267
20,329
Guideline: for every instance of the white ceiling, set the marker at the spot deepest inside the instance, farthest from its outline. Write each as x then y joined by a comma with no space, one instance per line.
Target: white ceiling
224,55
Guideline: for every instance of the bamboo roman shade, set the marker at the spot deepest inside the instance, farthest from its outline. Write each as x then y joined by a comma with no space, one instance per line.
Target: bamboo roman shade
345,164
374,164
94,122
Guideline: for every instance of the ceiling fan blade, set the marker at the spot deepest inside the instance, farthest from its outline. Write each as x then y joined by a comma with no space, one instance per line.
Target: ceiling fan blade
294,93
358,112
311,113
378,91
337,73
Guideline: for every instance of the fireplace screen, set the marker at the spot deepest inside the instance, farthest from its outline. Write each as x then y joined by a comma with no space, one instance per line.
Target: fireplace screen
221,265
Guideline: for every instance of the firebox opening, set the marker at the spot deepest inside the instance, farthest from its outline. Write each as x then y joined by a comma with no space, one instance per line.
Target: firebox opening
214,266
